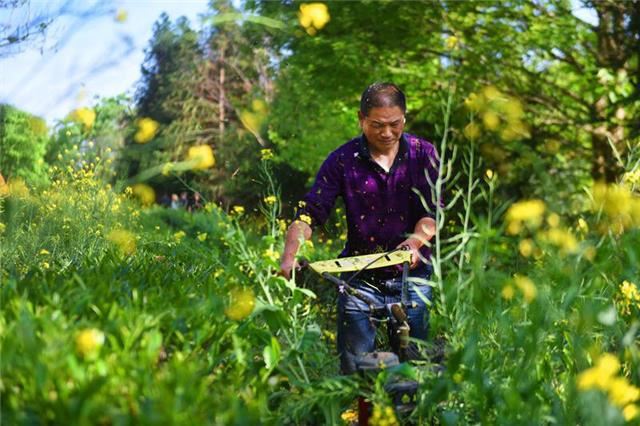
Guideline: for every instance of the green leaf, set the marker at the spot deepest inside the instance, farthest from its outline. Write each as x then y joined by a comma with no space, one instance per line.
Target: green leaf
310,336
256,19
271,354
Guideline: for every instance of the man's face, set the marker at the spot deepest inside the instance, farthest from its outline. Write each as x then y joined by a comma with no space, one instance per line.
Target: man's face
382,127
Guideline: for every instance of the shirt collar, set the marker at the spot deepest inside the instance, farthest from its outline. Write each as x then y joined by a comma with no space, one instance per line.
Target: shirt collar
363,148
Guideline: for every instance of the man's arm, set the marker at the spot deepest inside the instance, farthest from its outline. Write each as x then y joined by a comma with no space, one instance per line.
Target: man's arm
424,230
297,233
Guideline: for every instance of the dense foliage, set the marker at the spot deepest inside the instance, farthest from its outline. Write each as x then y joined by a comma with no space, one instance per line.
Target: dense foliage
23,140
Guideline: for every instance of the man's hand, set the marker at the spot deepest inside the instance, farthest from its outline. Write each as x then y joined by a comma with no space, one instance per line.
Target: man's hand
297,234
425,229
413,245
286,266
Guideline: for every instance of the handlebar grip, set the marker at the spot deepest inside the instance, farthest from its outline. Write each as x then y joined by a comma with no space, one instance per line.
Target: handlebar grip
337,281
303,263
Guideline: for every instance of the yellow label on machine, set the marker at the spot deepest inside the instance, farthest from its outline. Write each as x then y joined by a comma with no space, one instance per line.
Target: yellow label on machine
356,263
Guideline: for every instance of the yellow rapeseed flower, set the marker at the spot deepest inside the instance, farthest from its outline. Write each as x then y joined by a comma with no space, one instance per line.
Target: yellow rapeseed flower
621,392
241,304
271,254
630,290
179,235
600,375
632,178
251,121
603,377
144,193
202,236
329,335
88,342
583,226
383,416
630,412
271,199
561,238
528,288
147,129
499,113
553,220
512,109
4,188
44,252
489,174
349,416
313,16
238,210
619,204
202,156
491,93
527,212
305,218
475,102
17,188
525,247
508,292
84,116
491,120
124,240
517,130
166,169
612,199
254,119
630,296
266,154
451,42
121,15
471,131
259,106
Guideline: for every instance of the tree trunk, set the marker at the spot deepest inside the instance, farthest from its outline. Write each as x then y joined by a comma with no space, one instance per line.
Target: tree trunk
610,124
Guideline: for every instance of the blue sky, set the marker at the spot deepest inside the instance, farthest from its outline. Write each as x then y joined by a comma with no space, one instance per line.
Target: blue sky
81,58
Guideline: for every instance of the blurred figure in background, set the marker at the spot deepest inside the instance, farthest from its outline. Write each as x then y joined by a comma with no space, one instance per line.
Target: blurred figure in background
175,201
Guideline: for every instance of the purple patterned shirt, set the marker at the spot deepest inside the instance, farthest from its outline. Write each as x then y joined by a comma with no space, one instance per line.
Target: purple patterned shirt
381,208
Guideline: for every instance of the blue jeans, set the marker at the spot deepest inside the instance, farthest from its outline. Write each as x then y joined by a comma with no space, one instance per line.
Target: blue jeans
357,333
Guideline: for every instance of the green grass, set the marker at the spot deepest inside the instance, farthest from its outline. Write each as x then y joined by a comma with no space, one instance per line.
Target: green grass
172,353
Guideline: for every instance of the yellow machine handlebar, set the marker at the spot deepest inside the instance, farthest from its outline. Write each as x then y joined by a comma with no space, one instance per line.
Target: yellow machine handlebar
356,263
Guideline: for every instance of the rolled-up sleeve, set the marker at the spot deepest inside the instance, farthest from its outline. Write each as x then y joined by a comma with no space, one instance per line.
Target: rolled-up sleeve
317,204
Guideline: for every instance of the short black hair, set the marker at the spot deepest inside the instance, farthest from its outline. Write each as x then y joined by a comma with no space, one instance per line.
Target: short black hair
382,95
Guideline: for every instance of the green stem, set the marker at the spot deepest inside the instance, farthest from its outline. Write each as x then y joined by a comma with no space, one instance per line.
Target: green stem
467,215
440,216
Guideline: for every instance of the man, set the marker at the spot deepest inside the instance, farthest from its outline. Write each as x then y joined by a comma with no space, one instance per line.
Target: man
376,174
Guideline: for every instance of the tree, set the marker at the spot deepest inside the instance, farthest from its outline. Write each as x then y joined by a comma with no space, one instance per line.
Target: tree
207,87
577,81
23,141
90,134
173,52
